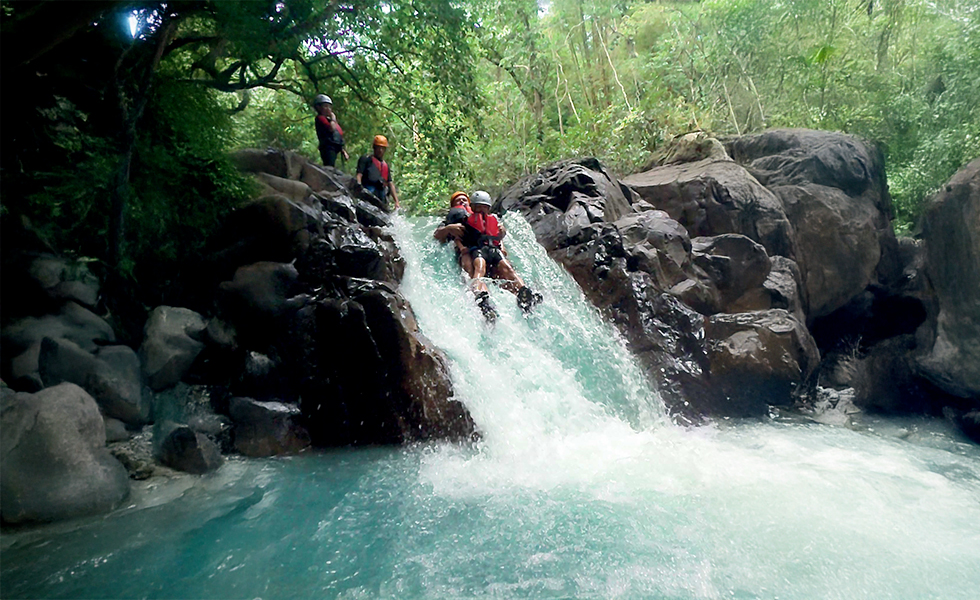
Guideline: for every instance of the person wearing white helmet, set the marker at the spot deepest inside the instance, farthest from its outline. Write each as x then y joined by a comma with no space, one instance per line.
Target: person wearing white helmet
482,235
328,131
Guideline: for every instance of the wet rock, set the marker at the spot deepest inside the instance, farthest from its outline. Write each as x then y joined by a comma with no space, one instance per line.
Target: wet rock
22,339
951,336
885,381
53,461
785,287
111,375
838,243
271,228
833,190
376,378
190,451
171,343
737,267
115,430
267,428
757,359
295,191
260,290
567,180
713,197
136,455
65,279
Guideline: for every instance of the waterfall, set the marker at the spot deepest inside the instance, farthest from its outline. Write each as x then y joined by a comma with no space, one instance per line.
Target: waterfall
579,487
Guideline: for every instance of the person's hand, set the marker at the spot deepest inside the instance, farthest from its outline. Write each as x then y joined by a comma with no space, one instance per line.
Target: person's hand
456,230
346,156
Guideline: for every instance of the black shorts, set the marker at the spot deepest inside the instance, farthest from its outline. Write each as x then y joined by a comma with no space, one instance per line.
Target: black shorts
492,255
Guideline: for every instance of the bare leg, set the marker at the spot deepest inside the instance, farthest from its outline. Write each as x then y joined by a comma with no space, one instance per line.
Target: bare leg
466,263
506,272
479,271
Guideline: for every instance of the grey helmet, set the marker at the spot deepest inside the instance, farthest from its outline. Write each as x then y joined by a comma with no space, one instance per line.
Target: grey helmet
481,197
322,99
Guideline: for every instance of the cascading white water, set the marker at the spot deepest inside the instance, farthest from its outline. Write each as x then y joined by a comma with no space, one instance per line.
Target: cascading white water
579,488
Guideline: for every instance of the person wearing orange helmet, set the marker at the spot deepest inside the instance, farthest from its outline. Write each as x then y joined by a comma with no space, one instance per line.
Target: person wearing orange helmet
459,211
373,172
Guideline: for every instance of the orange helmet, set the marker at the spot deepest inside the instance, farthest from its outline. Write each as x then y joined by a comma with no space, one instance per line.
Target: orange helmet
380,140
455,196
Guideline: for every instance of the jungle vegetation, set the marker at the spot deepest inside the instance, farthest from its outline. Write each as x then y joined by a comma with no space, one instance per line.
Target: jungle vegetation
117,117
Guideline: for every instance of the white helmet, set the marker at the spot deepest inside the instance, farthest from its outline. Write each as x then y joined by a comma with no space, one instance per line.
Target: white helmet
481,197
322,99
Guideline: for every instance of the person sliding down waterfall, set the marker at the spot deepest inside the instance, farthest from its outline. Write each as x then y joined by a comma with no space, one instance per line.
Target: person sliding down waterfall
482,234
459,212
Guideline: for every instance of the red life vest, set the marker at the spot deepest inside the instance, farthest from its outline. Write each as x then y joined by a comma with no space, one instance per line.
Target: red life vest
487,226
382,168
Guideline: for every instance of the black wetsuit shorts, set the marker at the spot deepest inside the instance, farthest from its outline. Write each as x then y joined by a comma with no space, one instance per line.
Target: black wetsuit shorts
491,254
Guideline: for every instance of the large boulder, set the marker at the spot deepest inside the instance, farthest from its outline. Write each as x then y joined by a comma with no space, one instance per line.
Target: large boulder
267,428
951,233
601,196
643,270
21,341
190,451
171,343
269,228
111,375
260,290
833,191
279,163
756,359
65,279
712,197
374,378
53,460
308,314
838,243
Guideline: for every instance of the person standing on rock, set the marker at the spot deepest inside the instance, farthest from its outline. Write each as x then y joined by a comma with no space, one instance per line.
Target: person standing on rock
328,131
373,172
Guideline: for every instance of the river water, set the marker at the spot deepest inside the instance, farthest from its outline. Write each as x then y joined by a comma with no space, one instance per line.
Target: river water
579,488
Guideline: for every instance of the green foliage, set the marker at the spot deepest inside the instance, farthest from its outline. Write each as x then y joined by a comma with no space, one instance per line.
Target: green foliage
182,180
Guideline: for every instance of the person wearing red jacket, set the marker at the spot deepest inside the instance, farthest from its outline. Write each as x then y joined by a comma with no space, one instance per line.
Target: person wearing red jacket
328,132
482,234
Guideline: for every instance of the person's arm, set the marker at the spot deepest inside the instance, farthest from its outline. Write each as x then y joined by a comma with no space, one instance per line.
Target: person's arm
358,177
448,231
394,192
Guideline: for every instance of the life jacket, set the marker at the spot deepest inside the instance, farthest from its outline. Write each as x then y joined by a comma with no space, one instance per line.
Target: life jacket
488,228
329,133
382,168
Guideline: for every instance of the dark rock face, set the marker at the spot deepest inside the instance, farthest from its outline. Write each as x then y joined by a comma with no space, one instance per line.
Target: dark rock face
53,460
758,358
111,375
713,197
171,343
267,428
833,191
660,286
951,336
21,341
190,451
315,320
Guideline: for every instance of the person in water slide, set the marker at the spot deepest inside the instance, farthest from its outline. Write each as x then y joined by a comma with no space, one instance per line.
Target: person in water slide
481,236
459,212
